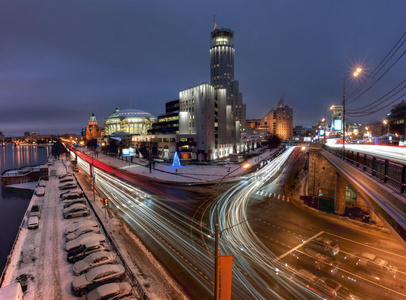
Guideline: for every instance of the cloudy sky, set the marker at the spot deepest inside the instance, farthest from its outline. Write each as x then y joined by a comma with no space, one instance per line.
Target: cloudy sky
61,61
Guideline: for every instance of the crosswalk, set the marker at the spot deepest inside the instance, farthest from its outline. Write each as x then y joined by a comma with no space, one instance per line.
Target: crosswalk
272,195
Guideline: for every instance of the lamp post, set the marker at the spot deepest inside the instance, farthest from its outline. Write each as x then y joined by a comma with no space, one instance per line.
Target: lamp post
217,235
354,74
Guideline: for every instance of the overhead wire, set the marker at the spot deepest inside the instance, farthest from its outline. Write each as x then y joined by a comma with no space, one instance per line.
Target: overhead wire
378,68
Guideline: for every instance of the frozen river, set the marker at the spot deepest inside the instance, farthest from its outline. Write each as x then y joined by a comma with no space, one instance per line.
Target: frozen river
13,204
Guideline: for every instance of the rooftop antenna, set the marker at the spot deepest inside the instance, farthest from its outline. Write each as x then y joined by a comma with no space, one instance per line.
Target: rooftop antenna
214,22
130,104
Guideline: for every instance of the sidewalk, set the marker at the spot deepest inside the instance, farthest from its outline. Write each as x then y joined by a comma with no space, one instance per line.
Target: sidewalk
189,173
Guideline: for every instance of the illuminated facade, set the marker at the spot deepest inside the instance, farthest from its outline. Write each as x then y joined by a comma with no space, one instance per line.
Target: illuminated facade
131,121
93,131
222,71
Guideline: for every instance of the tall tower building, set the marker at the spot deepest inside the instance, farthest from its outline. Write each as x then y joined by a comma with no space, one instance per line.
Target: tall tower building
222,71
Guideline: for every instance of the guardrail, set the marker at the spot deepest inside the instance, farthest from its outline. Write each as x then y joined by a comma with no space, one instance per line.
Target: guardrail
386,171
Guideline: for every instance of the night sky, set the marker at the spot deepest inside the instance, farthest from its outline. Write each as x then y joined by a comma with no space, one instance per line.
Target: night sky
61,61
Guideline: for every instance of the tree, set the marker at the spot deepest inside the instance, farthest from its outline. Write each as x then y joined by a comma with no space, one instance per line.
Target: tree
273,141
92,144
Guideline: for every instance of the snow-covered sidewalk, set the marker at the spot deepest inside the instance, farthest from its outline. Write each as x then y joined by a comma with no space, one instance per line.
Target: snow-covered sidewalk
37,257
189,173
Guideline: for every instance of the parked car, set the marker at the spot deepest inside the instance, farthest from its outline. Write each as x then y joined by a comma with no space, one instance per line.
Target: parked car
76,210
33,222
115,290
94,260
317,261
97,276
72,194
69,203
86,249
67,178
64,175
40,191
41,183
356,212
36,211
371,263
82,240
81,231
323,245
68,186
77,224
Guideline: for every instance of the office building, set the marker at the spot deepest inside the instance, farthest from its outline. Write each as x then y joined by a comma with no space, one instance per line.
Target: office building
222,71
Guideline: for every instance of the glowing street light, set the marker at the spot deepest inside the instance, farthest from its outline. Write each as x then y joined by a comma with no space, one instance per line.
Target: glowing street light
354,74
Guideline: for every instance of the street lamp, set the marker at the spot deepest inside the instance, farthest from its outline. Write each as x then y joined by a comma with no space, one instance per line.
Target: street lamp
217,234
354,74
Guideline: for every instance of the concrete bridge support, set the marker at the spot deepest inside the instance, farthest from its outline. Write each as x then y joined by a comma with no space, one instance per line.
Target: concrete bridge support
340,194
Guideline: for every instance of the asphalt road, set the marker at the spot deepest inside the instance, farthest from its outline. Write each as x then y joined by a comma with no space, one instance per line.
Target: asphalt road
176,224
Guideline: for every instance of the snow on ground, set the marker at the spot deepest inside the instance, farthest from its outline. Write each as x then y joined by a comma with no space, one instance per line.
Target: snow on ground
154,279
23,186
189,173
38,259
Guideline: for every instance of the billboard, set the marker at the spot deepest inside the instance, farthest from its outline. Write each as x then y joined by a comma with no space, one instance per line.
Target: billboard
128,152
307,139
338,125
321,132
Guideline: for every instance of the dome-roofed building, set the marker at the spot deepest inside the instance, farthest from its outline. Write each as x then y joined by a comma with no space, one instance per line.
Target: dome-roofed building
132,121
93,131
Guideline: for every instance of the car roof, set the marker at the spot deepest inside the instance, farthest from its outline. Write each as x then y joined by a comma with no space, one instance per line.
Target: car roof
104,268
368,255
95,255
77,205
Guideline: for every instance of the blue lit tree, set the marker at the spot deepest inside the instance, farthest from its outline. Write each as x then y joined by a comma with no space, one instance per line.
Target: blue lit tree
176,161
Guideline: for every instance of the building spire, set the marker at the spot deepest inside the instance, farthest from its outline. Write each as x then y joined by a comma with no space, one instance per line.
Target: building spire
214,22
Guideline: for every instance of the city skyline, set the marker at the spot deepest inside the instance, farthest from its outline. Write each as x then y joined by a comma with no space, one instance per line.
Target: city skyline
63,62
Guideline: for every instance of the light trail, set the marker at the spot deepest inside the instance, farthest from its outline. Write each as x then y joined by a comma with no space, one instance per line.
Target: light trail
254,264
181,236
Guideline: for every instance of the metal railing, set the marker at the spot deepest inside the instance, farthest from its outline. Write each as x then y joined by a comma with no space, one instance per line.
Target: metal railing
388,172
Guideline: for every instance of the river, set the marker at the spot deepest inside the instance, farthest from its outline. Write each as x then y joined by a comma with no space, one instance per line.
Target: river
13,203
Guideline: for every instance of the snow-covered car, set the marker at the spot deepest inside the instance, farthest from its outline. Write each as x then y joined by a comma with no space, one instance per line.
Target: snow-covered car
76,210
36,211
77,224
82,240
81,231
97,276
67,178
72,194
94,260
33,222
114,290
41,183
69,203
65,175
68,186
40,191
86,249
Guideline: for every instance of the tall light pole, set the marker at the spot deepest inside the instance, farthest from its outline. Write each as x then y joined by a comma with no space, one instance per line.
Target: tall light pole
217,234
354,74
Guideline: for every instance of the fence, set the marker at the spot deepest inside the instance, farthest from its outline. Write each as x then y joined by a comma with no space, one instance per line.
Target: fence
388,172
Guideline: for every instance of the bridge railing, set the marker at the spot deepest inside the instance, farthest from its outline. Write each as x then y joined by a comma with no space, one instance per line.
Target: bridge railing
388,172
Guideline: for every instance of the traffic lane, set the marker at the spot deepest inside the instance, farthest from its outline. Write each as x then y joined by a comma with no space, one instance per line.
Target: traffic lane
195,285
